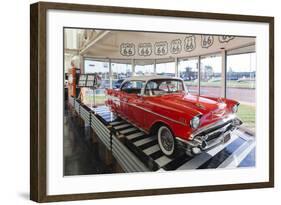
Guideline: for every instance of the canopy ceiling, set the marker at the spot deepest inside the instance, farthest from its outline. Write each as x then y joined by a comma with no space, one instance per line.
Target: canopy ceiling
123,46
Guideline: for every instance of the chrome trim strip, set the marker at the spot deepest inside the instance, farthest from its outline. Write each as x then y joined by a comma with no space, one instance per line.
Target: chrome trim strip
192,143
167,118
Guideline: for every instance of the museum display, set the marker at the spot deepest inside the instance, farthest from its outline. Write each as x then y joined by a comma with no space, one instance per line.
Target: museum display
162,106
133,102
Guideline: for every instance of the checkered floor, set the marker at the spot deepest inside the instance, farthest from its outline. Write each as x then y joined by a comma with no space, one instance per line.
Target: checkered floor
237,152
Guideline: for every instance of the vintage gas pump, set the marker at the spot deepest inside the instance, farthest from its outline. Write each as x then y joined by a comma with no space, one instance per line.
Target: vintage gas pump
73,77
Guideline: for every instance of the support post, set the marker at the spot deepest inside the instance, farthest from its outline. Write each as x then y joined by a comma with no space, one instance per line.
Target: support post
199,75
133,67
110,73
177,67
223,73
154,66
81,64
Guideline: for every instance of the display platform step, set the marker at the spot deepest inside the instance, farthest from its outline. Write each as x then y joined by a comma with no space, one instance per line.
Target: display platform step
239,151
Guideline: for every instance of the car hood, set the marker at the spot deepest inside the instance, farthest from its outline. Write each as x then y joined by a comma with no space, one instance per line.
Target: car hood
191,104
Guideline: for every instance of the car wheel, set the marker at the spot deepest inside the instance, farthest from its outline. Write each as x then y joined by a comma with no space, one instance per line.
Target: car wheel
166,141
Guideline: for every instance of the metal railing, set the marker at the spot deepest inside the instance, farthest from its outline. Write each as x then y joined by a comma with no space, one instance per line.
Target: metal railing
107,135
128,161
104,134
77,106
85,114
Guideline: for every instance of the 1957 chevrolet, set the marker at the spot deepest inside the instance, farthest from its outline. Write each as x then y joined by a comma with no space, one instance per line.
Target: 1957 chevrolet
162,106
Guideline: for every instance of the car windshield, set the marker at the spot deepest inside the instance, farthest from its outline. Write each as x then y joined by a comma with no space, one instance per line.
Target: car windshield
164,86
132,87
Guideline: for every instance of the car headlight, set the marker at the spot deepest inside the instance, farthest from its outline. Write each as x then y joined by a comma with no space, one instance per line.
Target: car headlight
235,108
195,122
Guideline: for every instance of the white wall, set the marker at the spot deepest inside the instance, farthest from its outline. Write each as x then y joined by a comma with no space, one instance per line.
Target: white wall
14,148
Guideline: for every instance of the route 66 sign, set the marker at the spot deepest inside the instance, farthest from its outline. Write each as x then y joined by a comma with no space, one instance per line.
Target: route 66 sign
189,43
206,41
225,38
176,46
161,48
145,49
127,49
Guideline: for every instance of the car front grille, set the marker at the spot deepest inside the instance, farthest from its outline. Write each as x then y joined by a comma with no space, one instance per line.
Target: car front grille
217,131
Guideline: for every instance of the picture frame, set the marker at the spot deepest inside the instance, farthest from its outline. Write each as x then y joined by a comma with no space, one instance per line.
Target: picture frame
39,104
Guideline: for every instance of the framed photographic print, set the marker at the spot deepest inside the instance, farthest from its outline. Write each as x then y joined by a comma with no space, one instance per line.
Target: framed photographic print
133,102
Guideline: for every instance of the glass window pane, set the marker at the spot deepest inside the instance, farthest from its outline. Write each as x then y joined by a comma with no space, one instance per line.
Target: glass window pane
144,69
166,69
120,71
241,84
163,86
102,69
210,82
188,71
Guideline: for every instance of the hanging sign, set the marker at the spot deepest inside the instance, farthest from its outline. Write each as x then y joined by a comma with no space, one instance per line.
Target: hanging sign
225,38
175,46
145,49
161,48
207,41
127,49
189,43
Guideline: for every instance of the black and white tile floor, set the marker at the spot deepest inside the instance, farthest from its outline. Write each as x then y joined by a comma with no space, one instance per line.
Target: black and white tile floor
237,152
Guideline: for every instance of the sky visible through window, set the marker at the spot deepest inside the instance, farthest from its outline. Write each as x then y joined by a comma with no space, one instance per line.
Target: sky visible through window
238,63
242,62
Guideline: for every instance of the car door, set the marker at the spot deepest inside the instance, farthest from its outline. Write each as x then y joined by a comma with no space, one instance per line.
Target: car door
148,105
132,102
137,106
124,94
131,109
139,111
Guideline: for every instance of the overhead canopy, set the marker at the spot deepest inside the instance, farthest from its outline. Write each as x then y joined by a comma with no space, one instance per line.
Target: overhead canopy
123,46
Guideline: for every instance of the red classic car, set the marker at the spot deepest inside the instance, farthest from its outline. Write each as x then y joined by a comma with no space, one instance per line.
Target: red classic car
162,106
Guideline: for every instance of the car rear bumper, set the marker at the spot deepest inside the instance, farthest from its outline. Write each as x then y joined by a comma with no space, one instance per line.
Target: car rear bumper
210,135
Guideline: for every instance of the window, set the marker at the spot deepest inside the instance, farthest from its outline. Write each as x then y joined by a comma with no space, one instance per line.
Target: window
188,71
133,87
241,84
210,76
166,69
241,74
102,69
144,67
120,71
163,86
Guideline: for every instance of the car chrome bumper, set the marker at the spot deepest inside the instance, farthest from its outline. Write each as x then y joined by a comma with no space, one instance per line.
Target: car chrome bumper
210,135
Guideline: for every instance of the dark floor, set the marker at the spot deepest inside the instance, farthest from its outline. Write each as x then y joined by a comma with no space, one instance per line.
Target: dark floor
81,156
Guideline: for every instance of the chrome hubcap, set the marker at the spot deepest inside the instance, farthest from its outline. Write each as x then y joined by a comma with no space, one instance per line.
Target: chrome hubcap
167,140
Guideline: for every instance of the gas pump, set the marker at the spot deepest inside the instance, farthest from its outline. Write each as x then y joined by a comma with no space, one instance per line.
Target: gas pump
73,77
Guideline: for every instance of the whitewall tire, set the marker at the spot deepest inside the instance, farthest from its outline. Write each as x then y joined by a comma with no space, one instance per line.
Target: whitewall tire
166,140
